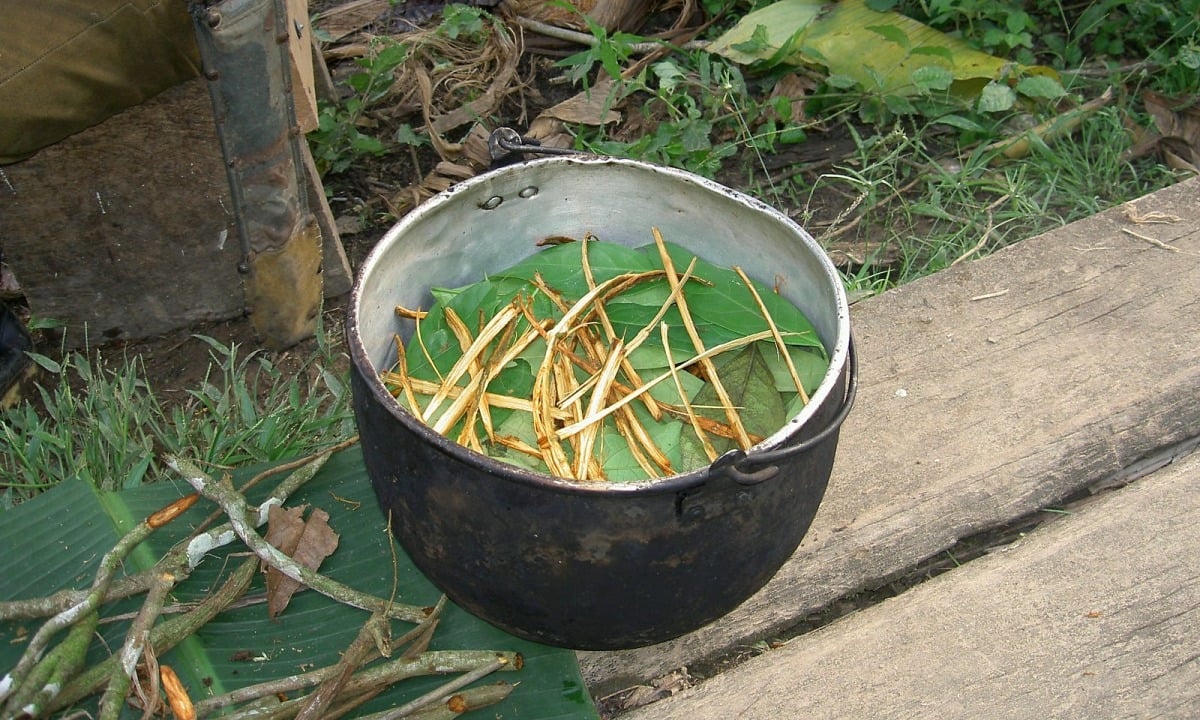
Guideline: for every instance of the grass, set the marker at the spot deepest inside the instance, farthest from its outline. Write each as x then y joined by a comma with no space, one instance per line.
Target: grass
914,192
919,189
101,421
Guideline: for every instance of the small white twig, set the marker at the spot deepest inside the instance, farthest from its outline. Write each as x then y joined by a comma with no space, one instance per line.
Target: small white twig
240,518
1155,243
988,296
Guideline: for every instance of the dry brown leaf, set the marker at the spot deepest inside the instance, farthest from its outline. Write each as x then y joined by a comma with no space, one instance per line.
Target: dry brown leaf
796,88
307,542
590,107
1177,121
660,688
474,153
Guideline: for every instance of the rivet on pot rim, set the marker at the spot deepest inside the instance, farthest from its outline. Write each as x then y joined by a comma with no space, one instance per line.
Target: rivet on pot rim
491,203
528,192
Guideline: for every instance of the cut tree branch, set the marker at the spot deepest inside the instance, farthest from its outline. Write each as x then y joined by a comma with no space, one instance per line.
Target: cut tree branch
238,511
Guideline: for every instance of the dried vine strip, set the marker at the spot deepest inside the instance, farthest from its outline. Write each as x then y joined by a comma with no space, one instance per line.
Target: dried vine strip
584,371
710,370
775,335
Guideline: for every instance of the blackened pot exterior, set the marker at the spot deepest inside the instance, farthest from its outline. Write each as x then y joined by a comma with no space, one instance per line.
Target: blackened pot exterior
595,566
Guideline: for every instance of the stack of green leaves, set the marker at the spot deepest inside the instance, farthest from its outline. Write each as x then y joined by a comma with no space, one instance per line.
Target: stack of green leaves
595,361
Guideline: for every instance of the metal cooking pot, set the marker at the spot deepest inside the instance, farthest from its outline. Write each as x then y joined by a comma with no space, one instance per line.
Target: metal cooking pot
593,566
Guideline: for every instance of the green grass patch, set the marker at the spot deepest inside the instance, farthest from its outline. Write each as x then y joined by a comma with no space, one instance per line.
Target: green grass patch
99,420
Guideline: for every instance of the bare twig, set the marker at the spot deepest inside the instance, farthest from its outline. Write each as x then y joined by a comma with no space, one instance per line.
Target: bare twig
11,686
434,662
1137,217
238,511
441,692
582,38
1154,242
30,608
355,656
989,296
183,557
131,652
164,636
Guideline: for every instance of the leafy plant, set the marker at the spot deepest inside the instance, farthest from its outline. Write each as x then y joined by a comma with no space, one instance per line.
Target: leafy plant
465,21
696,111
609,51
890,64
338,141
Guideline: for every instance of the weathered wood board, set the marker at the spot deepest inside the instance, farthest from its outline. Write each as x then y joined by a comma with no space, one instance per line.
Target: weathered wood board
1094,615
126,230
989,391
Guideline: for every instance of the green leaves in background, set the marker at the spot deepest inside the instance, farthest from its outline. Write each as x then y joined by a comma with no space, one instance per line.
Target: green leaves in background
55,540
880,51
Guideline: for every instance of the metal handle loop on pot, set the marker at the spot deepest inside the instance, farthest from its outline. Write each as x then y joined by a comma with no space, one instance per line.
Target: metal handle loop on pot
507,146
736,470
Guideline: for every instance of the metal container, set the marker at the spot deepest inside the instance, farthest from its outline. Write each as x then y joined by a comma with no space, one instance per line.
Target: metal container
593,566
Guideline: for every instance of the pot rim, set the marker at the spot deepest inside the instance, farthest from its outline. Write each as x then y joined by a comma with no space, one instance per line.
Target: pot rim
362,363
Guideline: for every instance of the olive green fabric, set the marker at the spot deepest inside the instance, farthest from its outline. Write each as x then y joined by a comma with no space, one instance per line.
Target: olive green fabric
66,65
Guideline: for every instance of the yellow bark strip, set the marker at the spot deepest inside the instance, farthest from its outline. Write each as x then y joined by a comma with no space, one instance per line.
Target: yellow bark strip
710,370
779,343
626,366
489,332
637,392
702,436
587,438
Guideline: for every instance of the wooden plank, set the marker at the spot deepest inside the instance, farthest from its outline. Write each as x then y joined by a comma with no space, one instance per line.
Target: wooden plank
125,230
1093,615
990,390
300,45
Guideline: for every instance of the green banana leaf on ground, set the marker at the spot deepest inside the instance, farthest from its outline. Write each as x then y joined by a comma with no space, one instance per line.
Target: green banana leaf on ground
56,540
882,52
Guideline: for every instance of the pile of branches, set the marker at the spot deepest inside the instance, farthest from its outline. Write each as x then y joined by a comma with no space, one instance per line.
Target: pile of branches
50,678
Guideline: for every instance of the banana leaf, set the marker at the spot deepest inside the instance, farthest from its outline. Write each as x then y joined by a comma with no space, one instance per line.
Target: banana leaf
881,51
56,540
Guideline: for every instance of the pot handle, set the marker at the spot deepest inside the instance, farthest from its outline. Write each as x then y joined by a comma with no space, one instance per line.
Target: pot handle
735,467
507,147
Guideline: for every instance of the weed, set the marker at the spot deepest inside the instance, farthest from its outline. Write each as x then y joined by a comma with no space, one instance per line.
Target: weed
608,51
338,142
464,21
104,424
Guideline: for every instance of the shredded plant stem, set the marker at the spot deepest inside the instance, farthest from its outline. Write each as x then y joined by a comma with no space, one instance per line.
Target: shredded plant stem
710,371
584,374
711,352
702,436
779,343
611,334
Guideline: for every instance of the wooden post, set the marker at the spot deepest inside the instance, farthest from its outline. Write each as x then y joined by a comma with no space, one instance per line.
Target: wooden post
246,46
